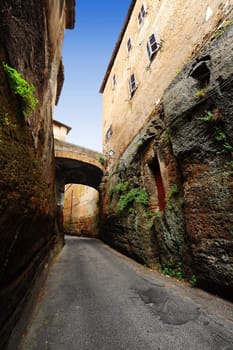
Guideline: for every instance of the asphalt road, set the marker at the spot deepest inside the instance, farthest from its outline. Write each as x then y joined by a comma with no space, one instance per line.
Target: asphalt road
97,299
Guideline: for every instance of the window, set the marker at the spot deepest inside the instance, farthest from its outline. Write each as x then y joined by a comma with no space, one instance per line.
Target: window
132,85
129,45
152,46
114,82
108,133
141,14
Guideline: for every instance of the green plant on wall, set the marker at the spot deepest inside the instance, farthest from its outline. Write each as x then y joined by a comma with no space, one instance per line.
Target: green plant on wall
102,160
171,270
221,138
165,137
119,188
5,119
152,215
138,144
207,117
218,33
135,195
200,93
193,281
173,190
220,30
6,123
22,88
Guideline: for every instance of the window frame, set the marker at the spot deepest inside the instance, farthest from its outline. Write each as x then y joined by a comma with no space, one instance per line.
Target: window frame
151,52
114,81
132,84
129,45
142,14
109,133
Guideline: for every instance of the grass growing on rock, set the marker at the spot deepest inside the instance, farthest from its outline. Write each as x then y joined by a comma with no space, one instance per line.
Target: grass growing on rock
135,195
22,88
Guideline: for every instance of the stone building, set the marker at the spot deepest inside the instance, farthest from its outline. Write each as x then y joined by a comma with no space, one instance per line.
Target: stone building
60,130
81,210
167,193
157,39
31,40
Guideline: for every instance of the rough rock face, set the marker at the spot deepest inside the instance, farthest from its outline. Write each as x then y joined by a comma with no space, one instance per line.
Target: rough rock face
191,137
140,230
201,132
27,202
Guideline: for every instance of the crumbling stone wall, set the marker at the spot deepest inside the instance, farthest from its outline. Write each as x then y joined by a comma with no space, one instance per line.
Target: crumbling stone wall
190,136
201,132
28,230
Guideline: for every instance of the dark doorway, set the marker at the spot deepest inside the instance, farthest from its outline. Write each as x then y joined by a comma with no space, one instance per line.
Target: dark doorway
155,169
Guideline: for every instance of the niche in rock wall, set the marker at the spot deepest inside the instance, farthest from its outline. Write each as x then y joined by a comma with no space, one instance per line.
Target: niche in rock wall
200,71
154,184
156,173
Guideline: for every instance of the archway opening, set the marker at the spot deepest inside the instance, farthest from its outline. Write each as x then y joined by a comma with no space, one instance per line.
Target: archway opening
80,213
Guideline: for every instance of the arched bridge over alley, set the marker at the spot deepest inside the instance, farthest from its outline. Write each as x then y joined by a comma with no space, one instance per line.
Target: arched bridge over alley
75,164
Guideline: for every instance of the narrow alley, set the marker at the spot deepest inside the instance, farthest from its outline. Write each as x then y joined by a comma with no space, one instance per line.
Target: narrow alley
97,299
138,153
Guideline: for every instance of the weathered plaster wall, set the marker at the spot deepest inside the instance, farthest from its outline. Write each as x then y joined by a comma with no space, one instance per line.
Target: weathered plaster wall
81,210
182,27
31,41
189,138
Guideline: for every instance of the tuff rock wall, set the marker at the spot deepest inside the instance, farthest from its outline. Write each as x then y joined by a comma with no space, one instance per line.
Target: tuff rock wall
30,42
186,227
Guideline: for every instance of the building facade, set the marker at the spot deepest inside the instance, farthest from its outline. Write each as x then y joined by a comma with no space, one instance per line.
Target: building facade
157,40
81,210
168,140
60,130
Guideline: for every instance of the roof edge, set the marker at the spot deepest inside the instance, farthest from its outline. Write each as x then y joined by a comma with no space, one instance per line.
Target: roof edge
62,124
117,46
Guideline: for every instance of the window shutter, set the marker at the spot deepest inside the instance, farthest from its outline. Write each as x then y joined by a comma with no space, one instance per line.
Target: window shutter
108,133
129,44
139,18
153,43
152,46
132,84
143,11
114,80
142,14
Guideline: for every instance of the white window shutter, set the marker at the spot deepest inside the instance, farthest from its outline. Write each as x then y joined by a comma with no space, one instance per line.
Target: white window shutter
152,46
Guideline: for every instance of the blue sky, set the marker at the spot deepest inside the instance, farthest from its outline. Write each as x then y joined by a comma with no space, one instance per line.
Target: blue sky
86,53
